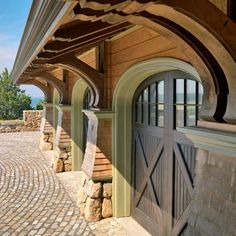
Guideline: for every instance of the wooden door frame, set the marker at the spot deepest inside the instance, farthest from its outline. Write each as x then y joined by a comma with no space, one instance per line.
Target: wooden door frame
122,126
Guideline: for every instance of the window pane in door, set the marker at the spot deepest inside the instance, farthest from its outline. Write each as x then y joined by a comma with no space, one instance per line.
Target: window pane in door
145,113
191,115
138,113
180,91
179,115
153,114
191,92
145,95
153,93
160,118
161,92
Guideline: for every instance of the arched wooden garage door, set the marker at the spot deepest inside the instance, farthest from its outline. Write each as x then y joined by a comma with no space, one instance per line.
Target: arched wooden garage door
163,159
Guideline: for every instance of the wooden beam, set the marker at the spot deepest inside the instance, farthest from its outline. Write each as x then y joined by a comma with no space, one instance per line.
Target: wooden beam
85,46
58,84
38,61
93,78
57,48
31,70
231,9
79,67
119,5
79,30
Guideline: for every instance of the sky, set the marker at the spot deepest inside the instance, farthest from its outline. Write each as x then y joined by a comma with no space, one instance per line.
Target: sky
13,17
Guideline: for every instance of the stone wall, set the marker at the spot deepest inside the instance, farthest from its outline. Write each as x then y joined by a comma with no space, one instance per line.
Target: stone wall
213,208
32,119
94,198
62,142
31,122
62,160
46,141
46,129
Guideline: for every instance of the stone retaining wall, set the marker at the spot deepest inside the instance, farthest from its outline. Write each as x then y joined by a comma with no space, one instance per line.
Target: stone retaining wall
31,122
94,199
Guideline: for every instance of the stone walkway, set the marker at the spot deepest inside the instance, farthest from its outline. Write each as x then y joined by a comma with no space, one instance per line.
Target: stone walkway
32,199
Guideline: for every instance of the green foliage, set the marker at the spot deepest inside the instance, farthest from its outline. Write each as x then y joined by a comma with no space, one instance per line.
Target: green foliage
13,100
39,105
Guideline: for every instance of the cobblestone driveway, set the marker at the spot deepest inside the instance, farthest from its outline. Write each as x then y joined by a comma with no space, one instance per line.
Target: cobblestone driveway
32,199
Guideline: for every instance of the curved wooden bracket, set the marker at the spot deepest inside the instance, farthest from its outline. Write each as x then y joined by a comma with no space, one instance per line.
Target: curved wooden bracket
58,84
46,89
93,78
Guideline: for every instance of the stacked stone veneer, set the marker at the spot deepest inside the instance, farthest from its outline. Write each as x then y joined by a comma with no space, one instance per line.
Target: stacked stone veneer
62,160
31,122
62,143
94,199
46,138
213,208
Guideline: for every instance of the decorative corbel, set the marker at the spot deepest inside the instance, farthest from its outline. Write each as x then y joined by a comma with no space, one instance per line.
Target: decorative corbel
93,77
58,84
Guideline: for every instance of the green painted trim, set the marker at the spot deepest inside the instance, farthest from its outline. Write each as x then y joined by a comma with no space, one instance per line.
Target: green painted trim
77,125
101,114
212,140
62,107
47,104
122,125
103,179
56,99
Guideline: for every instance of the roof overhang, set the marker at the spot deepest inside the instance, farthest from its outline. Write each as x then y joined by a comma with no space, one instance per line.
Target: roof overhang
44,18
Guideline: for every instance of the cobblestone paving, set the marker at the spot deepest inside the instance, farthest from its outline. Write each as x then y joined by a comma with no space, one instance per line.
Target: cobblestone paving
32,199
105,227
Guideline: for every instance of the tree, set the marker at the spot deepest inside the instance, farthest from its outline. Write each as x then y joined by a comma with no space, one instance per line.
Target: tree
13,100
39,105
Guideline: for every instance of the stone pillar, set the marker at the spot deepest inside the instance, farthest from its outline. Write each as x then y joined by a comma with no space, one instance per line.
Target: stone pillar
213,204
94,197
62,142
46,128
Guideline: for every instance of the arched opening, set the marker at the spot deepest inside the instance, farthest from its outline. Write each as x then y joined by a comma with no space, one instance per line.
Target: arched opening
37,94
77,101
122,127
